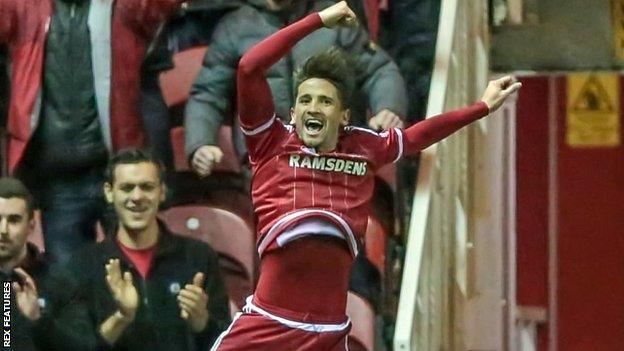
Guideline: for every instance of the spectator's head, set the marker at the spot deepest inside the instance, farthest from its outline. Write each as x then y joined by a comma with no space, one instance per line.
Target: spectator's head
16,219
323,89
135,186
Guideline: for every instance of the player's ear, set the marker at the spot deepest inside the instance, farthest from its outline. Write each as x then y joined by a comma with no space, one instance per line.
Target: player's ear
292,115
346,116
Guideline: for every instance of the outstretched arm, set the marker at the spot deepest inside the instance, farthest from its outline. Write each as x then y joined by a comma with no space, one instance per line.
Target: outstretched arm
255,103
433,129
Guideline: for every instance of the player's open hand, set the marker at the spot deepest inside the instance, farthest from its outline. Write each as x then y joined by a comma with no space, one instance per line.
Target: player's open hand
26,296
193,302
338,15
122,288
498,90
205,158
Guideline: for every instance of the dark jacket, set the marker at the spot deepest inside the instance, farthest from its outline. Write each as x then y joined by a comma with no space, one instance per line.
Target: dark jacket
22,330
212,96
122,39
157,325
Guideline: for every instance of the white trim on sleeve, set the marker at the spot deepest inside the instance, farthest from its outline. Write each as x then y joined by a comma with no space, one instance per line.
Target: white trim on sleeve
259,129
400,142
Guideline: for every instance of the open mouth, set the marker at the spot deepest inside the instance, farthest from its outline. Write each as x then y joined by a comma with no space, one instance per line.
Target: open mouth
313,126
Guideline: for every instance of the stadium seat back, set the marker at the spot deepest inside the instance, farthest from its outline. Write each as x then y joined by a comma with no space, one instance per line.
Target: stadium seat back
176,83
228,234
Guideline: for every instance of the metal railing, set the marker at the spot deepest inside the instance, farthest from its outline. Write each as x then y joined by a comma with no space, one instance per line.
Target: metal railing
435,280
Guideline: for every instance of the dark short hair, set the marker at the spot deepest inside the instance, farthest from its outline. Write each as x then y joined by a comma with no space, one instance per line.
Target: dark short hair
333,65
133,156
14,188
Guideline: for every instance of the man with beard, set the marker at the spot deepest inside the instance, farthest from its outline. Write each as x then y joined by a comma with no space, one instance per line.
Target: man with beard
24,270
75,75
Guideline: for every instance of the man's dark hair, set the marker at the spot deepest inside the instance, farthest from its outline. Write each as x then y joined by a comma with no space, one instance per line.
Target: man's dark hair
13,188
333,65
133,156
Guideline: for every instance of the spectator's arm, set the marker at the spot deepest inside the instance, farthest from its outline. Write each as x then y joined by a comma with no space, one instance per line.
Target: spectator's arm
146,15
379,76
212,93
7,20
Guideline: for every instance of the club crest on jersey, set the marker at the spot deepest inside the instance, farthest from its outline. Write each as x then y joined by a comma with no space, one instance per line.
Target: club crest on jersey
329,164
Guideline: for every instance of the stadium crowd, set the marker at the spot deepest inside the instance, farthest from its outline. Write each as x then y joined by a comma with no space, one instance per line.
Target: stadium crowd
90,161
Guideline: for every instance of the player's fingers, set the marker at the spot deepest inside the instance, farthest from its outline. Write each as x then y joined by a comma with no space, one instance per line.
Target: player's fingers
512,88
183,313
504,81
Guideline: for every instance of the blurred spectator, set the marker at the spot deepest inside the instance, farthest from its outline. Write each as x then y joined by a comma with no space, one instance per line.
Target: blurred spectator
21,263
154,110
4,86
144,287
191,26
212,95
75,97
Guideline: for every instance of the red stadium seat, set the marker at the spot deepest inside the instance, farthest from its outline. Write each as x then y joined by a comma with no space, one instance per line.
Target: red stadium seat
176,82
375,241
362,315
228,234
229,163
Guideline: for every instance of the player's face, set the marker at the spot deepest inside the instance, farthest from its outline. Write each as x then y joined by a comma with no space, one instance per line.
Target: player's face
136,192
318,114
15,226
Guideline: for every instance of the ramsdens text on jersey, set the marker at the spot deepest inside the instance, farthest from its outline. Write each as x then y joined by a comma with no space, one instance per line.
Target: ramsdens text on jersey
330,164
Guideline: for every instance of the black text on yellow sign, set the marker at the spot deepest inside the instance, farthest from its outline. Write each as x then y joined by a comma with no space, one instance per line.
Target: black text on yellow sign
593,110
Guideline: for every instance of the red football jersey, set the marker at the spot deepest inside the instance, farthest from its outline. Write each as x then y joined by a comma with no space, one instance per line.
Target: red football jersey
292,182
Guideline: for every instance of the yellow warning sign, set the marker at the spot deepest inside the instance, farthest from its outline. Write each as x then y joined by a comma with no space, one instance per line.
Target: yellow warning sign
593,118
618,28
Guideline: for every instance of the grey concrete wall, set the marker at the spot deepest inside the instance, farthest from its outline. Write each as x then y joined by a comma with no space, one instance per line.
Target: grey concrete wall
570,35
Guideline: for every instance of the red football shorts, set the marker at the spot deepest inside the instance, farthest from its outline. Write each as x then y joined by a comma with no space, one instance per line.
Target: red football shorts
254,329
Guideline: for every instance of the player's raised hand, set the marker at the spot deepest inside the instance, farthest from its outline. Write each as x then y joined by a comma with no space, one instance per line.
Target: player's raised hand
338,15
193,302
26,296
122,288
498,90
